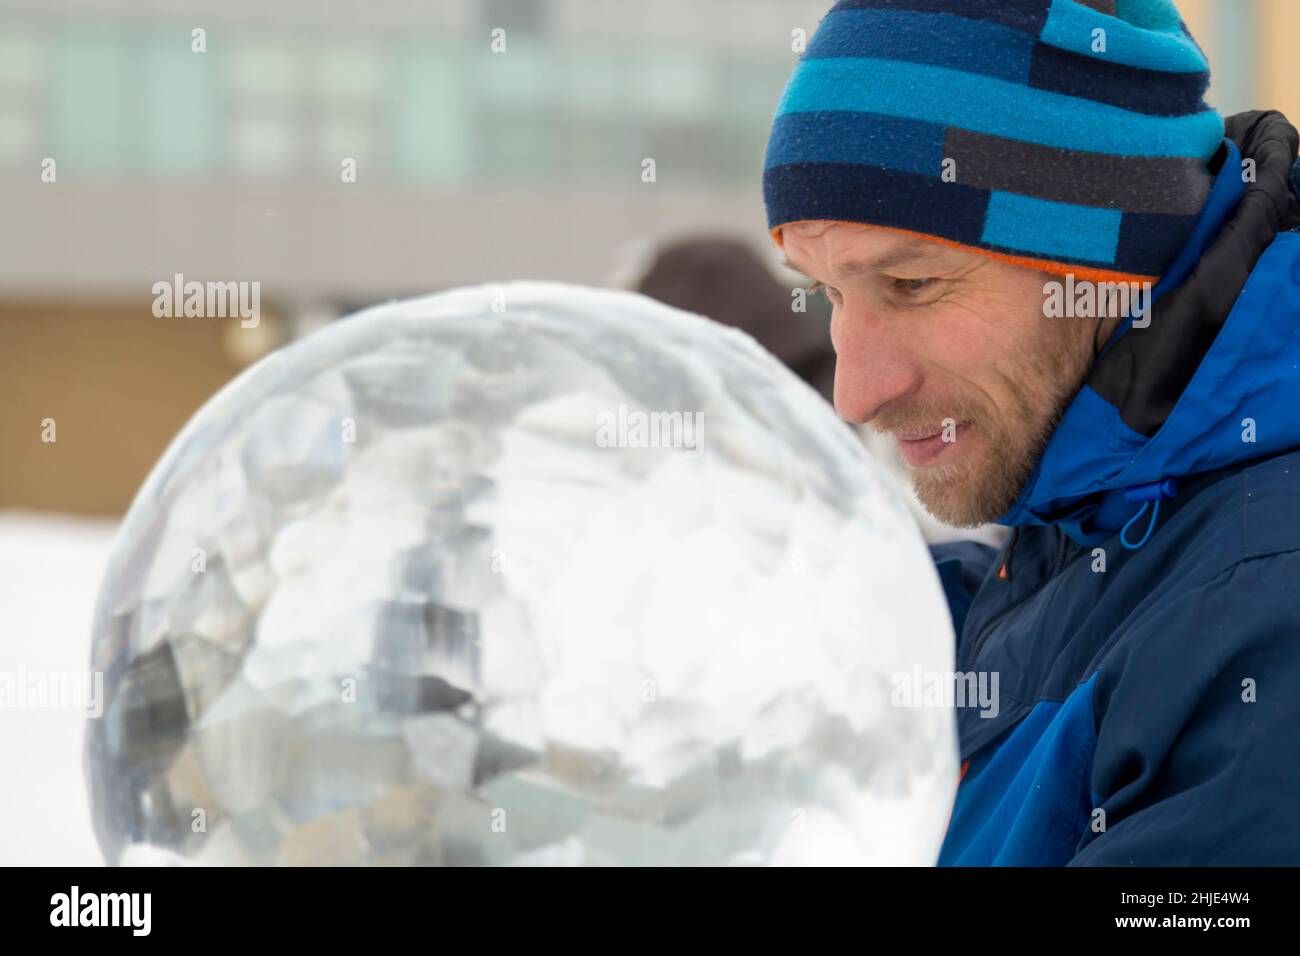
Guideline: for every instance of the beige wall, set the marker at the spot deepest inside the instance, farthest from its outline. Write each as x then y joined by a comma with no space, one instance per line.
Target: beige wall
1272,70
118,382
1277,38
1196,14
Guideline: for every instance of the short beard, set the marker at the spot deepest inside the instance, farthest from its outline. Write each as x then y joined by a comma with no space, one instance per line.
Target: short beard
981,486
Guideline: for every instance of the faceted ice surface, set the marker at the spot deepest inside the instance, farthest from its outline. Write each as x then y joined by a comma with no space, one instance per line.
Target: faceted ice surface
425,588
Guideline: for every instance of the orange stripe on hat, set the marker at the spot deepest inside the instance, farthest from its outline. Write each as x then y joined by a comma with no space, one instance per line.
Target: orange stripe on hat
1088,273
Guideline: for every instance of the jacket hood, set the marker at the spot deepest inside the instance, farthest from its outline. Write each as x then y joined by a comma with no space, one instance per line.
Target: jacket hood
1214,378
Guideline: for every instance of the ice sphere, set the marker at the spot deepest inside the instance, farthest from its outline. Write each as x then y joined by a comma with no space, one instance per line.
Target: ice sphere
519,574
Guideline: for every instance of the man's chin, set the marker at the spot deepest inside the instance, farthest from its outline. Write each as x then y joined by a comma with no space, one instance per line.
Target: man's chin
964,495
954,509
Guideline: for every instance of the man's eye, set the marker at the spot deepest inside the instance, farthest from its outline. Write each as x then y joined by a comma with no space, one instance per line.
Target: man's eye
911,286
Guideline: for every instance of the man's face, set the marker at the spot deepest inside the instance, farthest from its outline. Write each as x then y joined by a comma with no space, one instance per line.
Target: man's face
950,352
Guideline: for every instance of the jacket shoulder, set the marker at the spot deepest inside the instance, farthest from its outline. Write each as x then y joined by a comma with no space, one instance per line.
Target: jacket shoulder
1269,498
1252,512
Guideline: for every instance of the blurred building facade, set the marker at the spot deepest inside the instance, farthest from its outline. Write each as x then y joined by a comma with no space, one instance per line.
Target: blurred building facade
470,164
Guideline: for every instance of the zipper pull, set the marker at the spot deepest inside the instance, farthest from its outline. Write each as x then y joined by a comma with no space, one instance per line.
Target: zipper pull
1004,572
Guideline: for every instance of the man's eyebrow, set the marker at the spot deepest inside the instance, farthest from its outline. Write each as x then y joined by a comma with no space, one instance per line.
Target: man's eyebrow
910,251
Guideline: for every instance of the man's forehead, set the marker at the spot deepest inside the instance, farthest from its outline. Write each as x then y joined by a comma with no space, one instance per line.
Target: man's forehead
859,249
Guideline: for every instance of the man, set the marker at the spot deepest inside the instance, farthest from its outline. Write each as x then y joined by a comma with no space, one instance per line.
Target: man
954,173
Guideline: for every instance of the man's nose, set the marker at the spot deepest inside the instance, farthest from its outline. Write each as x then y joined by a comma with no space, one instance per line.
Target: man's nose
872,368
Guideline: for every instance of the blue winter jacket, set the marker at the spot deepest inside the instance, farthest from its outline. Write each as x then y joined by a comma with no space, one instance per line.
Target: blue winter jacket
1143,620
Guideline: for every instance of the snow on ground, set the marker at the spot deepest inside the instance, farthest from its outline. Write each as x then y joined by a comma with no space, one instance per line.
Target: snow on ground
50,567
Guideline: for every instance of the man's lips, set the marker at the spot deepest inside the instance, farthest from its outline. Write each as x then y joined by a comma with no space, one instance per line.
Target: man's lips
923,446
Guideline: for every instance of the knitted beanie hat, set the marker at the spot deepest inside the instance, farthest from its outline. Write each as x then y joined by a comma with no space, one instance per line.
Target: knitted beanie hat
1065,135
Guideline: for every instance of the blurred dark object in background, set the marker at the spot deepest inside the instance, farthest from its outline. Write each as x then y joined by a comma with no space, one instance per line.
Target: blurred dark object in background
725,280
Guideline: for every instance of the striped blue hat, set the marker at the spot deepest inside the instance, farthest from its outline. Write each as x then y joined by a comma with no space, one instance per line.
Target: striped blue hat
1067,135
